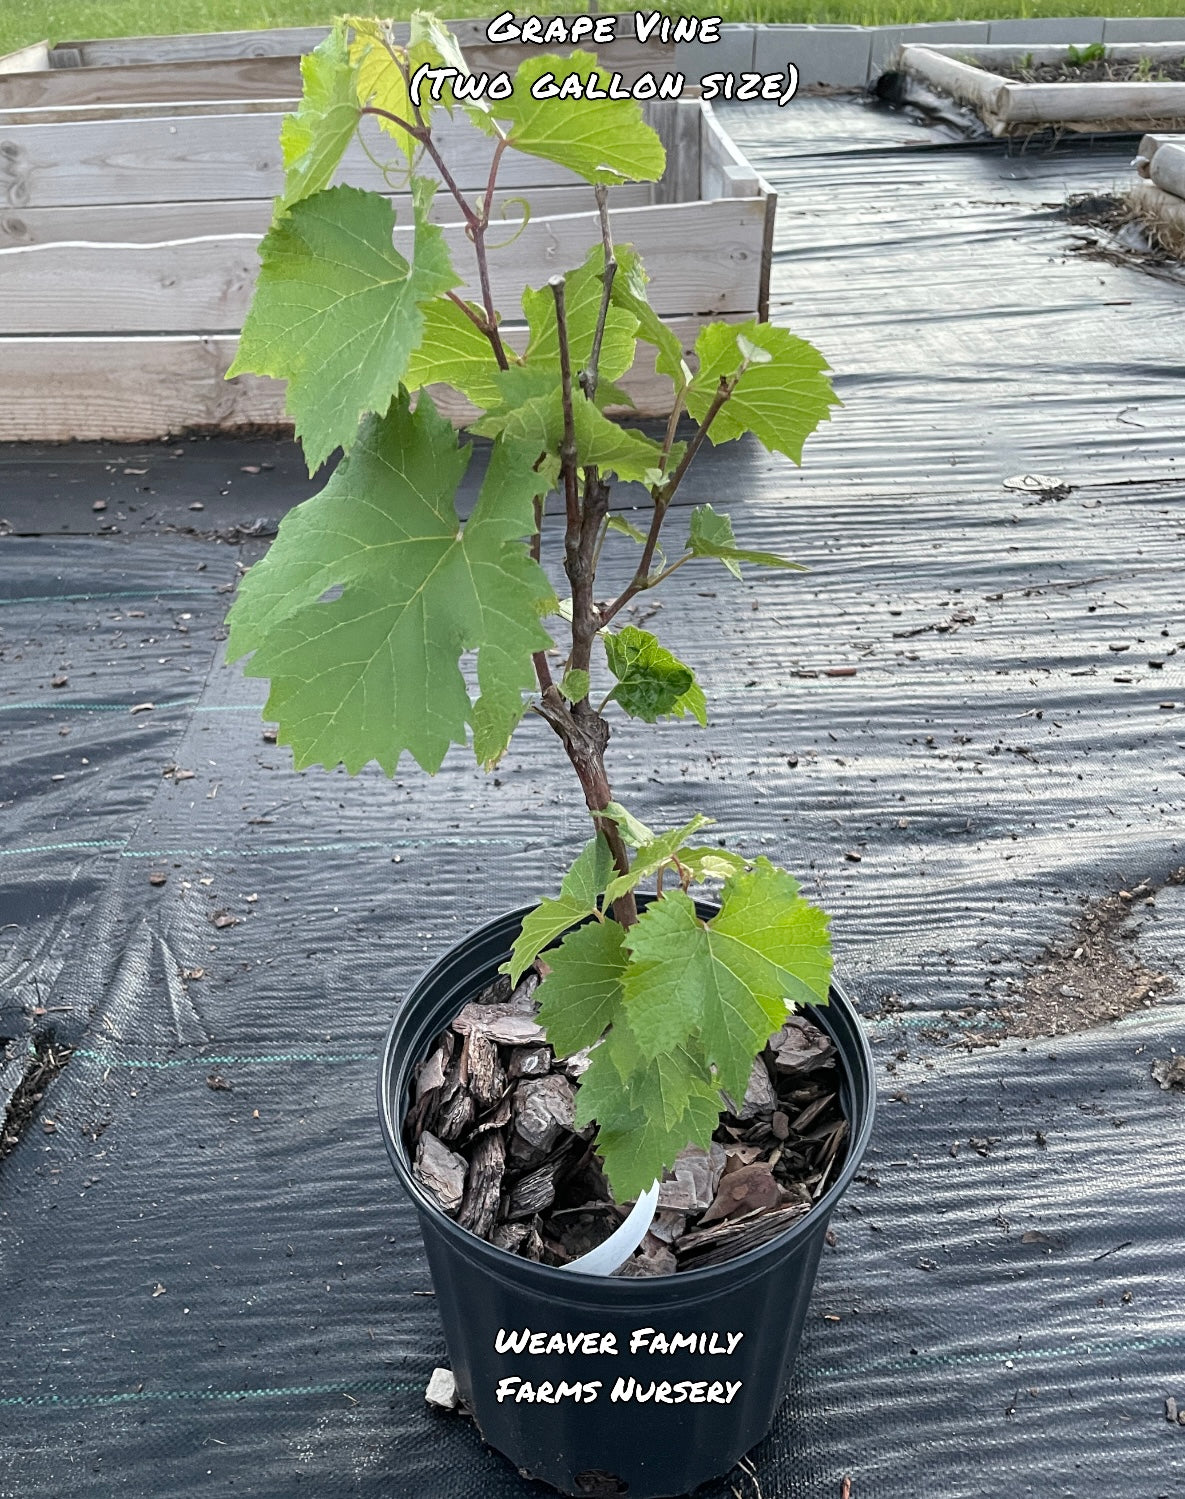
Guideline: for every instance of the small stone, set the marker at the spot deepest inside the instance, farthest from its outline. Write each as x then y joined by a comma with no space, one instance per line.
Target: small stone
157,877
1170,1072
442,1390
1170,1409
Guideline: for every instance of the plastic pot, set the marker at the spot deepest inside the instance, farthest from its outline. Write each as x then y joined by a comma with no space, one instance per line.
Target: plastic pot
690,1412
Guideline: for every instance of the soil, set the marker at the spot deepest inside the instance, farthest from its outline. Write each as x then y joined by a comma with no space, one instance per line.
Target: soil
1086,979
492,1137
1103,71
48,1059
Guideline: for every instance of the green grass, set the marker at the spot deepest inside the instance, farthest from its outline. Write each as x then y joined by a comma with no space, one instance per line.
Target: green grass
24,21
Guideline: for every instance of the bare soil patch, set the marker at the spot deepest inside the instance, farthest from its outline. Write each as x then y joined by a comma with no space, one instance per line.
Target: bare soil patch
1086,979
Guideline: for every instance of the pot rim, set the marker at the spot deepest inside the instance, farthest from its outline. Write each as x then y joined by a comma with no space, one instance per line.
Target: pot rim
856,1062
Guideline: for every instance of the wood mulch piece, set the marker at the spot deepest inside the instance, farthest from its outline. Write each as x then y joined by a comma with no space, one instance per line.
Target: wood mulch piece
1086,979
492,1137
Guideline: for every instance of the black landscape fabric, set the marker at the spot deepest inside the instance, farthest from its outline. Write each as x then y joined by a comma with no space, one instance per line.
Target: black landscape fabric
966,721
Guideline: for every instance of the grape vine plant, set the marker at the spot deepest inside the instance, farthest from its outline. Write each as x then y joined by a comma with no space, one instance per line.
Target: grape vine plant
374,589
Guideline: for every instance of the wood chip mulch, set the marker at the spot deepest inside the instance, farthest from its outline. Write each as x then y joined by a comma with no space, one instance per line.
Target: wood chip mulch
492,1138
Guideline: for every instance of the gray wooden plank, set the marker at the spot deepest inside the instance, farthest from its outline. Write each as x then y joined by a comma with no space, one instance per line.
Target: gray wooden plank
701,257
142,388
211,157
150,223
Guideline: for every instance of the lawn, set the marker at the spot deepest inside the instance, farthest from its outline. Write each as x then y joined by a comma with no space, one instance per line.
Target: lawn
24,21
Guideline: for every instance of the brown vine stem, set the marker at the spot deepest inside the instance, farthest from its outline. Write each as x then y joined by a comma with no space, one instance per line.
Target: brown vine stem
662,499
590,375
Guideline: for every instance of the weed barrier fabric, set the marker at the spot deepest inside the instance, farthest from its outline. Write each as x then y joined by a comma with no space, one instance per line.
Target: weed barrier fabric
211,1283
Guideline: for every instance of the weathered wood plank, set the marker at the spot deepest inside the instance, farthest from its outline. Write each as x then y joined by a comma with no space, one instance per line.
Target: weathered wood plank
701,257
153,223
137,389
724,172
626,55
680,129
211,157
243,78
31,59
79,113
970,85
121,51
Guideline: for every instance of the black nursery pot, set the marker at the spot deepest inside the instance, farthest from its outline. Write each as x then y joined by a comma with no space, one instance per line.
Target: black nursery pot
688,1414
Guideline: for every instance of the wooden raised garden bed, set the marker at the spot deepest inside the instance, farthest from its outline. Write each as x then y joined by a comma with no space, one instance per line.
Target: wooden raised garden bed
240,65
1011,107
129,255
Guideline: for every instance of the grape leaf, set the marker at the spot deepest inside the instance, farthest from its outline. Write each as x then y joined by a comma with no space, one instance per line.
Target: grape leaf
454,351
582,993
579,890
336,311
619,523
652,856
711,863
725,981
777,940
641,1126
651,682
374,671
314,139
583,290
629,293
781,402
504,573
575,685
634,832
539,419
379,81
601,140
711,536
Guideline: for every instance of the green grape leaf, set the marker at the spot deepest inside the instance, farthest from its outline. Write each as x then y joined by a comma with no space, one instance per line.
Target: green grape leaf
711,863
601,140
575,685
374,671
774,937
314,139
582,993
583,290
629,294
726,981
634,832
539,419
651,857
781,402
336,311
711,536
619,523
579,891
455,352
379,81
641,1128
505,578
651,682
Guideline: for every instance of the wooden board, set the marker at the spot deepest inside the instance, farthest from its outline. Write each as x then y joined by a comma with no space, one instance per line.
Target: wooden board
1167,169
223,156
701,257
140,389
242,78
66,114
152,223
212,157
31,59
626,55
